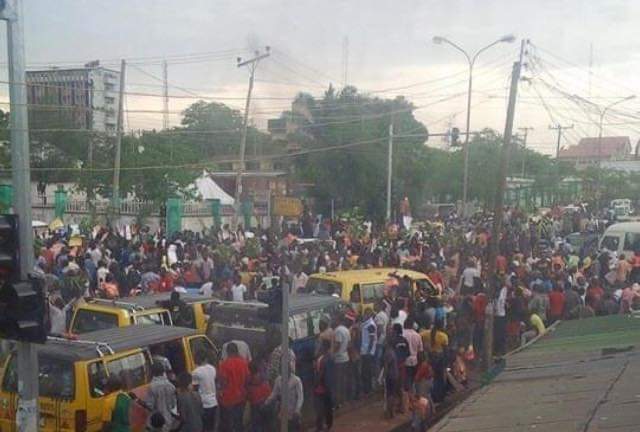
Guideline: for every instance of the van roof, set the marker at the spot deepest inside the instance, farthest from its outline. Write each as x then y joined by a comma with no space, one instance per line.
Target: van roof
366,275
297,303
118,339
624,226
148,301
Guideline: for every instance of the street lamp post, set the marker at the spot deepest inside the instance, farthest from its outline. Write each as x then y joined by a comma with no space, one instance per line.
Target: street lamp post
471,60
603,112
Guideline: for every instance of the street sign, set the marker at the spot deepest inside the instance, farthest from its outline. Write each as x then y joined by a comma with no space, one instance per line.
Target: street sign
287,206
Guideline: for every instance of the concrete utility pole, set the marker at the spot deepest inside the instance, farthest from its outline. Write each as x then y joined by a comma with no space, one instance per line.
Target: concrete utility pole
345,61
284,362
165,95
471,60
252,64
389,170
603,112
115,199
559,128
494,284
11,12
524,147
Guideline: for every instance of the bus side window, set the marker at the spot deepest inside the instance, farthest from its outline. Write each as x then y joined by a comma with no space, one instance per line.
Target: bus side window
97,379
133,370
166,318
202,344
355,294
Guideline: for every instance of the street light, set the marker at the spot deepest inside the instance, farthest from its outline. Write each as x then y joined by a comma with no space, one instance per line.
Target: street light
603,112
439,40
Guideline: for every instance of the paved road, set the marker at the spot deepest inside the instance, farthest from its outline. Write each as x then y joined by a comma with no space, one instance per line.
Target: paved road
584,377
366,416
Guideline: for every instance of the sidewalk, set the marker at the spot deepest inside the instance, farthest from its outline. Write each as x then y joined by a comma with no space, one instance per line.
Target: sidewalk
366,415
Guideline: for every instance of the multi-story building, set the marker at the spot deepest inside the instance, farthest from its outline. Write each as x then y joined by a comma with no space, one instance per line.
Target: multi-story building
80,98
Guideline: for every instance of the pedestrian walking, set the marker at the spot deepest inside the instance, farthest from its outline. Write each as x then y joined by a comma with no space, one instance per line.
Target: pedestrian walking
233,374
204,382
323,387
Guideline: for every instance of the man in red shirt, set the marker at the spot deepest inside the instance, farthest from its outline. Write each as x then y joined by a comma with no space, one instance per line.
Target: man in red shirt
556,303
233,374
479,305
594,293
436,277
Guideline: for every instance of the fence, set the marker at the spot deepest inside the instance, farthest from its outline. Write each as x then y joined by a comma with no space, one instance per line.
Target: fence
149,208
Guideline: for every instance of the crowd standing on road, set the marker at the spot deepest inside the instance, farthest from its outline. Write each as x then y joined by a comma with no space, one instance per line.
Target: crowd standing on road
417,347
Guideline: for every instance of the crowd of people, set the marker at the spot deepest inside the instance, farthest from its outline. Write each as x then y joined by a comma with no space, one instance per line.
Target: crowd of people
417,347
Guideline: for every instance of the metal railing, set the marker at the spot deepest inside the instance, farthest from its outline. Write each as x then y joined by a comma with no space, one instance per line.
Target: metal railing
137,207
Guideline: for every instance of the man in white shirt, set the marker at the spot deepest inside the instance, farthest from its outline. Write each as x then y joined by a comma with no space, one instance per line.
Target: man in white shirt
467,280
500,320
96,254
238,290
206,289
204,381
381,321
296,399
299,282
341,339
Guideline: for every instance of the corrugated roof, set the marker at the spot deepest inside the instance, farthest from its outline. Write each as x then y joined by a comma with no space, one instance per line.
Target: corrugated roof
118,338
594,147
582,377
149,301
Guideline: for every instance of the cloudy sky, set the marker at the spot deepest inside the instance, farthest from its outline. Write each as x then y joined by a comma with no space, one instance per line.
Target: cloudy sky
389,52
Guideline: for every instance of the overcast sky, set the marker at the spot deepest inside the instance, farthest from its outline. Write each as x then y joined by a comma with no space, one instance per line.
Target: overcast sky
389,46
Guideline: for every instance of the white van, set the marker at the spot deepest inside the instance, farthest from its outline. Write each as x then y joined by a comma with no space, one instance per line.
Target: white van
622,238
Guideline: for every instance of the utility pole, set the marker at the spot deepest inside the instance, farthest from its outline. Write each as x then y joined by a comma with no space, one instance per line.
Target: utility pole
389,170
559,128
345,61
11,12
284,360
165,96
590,67
493,283
525,131
252,64
115,199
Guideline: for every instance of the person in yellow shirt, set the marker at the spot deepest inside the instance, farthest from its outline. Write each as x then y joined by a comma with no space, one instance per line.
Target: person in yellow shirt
535,328
434,339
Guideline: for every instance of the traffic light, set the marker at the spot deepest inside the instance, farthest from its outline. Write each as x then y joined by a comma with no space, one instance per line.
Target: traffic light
455,137
23,311
9,255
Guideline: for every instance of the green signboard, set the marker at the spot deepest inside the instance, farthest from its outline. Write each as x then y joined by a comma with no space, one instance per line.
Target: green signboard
60,202
174,215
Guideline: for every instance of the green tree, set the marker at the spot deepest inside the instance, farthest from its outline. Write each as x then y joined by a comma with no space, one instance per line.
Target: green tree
355,175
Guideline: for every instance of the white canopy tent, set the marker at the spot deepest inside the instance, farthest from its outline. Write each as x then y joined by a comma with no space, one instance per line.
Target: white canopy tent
209,190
